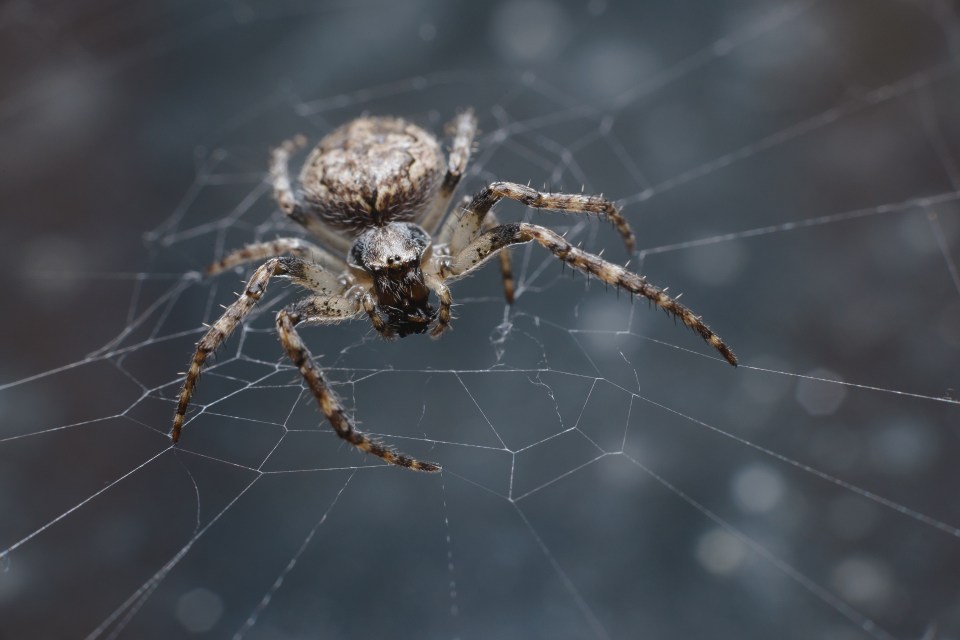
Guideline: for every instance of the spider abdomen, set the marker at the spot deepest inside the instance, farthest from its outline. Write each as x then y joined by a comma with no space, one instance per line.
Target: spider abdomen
372,171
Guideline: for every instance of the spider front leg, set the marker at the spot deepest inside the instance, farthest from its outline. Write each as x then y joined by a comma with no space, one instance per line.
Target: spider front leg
325,310
489,222
296,247
302,273
458,232
490,242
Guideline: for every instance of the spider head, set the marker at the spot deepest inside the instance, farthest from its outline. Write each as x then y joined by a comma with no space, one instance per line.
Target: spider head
392,255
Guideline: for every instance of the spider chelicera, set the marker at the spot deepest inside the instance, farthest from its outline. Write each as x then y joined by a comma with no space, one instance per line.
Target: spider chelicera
376,190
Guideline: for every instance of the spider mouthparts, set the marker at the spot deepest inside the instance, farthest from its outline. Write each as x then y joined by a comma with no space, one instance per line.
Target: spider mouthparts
410,321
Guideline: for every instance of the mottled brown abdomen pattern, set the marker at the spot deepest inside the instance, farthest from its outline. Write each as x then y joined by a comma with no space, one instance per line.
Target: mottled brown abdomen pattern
372,171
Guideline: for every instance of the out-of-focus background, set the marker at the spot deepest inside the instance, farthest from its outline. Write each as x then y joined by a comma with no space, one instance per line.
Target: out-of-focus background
791,167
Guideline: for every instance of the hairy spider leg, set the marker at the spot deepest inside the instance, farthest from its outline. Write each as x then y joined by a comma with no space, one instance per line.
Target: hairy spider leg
328,310
303,273
506,268
291,204
459,231
489,222
296,247
463,128
494,240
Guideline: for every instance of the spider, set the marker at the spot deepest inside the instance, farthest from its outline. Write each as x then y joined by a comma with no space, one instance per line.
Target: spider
376,190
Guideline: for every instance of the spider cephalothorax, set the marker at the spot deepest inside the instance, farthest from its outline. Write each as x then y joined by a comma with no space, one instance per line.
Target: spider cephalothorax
391,256
376,192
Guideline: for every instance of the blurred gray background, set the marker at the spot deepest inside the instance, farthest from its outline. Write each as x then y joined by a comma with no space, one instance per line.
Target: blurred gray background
791,167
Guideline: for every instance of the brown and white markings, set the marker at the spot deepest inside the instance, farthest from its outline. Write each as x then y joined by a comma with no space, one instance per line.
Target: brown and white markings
374,192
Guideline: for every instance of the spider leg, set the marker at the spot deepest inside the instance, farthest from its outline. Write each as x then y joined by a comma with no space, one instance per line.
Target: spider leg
463,128
280,176
273,248
506,268
323,309
291,203
488,243
459,231
302,273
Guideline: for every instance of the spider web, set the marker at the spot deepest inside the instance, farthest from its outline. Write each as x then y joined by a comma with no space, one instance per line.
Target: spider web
791,167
